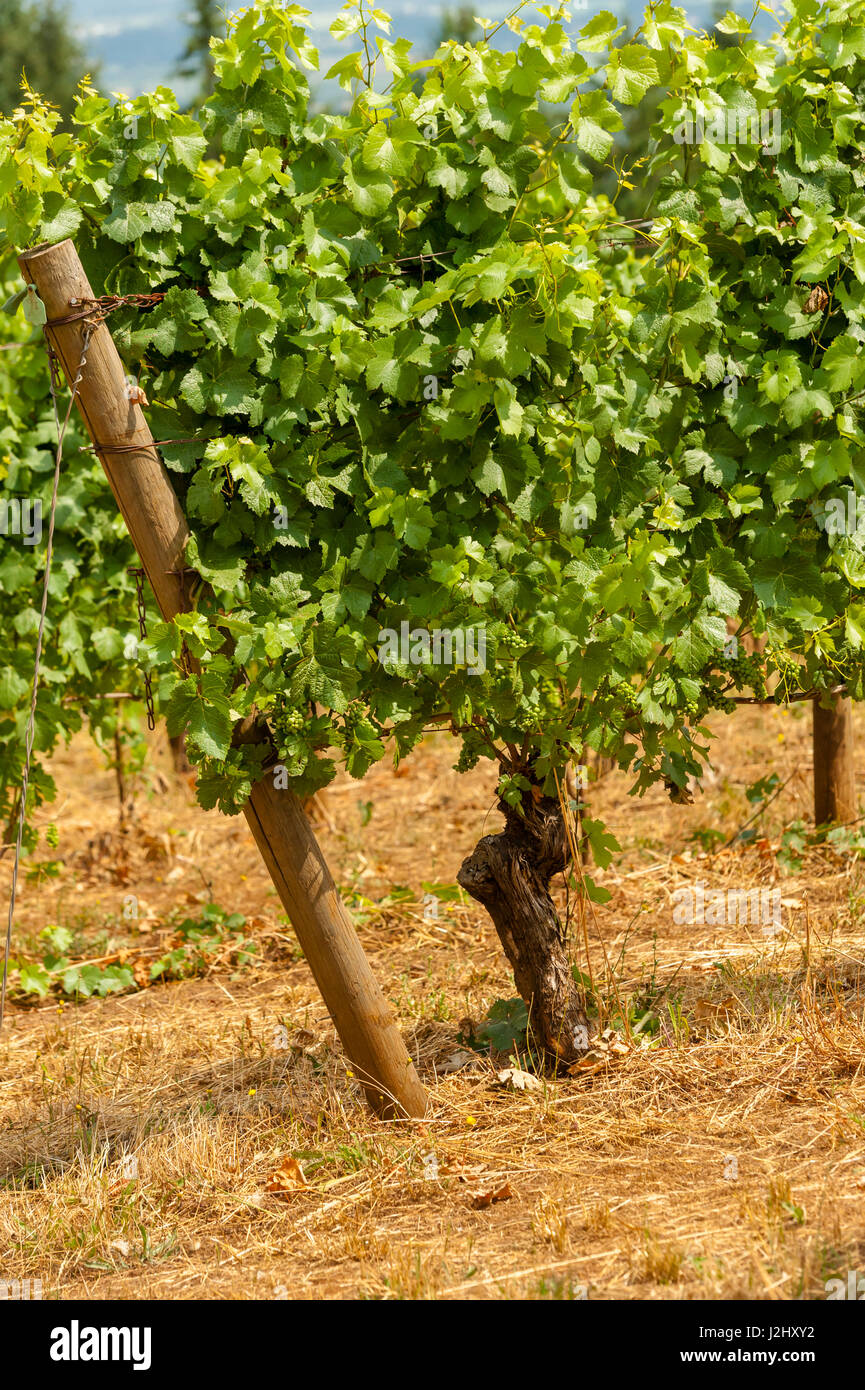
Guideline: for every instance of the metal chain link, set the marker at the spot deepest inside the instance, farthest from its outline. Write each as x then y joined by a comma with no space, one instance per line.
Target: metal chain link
29,735
142,633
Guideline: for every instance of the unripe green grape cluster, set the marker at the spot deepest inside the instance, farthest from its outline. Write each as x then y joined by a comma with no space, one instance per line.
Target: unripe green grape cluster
716,699
287,719
470,752
526,720
789,674
748,669
352,717
468,758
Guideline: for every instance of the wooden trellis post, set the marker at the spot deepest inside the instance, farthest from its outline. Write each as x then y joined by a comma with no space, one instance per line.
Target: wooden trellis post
834,775
159,532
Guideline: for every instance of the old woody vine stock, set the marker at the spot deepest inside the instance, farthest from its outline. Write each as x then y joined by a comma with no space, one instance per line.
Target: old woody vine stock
461,448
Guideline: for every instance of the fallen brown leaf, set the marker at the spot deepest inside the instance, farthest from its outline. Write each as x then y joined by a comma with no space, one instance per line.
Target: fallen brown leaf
141,972
712,1008
457,1062
587,1066
287,1179
496,1194
516,1080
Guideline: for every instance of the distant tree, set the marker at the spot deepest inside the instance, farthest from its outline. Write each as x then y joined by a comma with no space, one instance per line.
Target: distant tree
38,40
204,21
632,149
459,25
719,9
634,140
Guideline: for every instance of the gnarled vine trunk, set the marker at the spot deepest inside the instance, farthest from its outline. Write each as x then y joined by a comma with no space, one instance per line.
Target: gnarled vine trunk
510,874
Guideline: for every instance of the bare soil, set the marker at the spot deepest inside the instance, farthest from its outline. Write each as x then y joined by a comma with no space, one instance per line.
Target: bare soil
205,1137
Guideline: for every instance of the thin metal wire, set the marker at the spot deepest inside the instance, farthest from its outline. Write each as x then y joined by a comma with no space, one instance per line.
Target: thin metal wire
54,382
95,310
139,448
142,632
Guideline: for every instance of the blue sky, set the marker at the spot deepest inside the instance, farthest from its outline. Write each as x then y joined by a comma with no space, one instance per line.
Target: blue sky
139,44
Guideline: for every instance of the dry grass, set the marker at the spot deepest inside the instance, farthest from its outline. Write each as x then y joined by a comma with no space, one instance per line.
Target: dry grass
139,1134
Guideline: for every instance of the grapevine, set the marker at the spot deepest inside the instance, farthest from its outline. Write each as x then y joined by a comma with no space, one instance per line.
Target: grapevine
417,373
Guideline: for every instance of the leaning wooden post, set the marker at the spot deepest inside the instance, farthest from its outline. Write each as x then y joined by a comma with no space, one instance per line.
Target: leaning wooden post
159,532
834,778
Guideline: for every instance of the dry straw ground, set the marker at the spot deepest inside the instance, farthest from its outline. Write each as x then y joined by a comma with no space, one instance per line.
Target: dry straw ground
205,1138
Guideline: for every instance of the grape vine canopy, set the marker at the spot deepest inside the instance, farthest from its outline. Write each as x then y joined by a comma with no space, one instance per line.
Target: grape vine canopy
430,378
